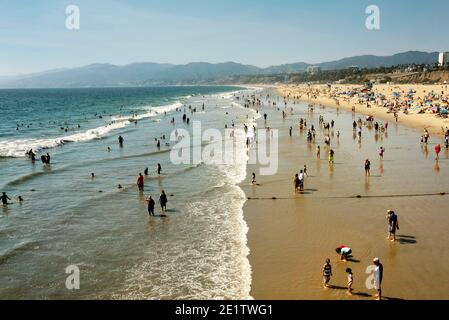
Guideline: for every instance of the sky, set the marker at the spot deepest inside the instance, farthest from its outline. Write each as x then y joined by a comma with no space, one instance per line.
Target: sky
34,37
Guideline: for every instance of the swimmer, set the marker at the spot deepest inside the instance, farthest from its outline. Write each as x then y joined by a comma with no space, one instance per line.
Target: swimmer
4,198
92,175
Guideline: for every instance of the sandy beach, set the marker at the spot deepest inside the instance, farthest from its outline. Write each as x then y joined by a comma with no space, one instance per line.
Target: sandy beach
332,97
291,236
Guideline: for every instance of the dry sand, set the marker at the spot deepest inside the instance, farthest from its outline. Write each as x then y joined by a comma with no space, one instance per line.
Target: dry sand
326,97
290,237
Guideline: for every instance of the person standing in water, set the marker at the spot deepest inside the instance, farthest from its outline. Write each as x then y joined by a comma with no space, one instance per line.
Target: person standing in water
318,152
159,168
378,275
437,151
301,180
4,198
150,206
296,183
327,273
331,156
367,168
163,202
140,184
393,225
350,280
381,153
120,140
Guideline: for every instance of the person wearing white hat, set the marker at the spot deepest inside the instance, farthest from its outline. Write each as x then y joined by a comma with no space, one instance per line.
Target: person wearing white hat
378,274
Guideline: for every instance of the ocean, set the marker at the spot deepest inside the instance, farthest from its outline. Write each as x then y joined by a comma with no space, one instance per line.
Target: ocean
68,218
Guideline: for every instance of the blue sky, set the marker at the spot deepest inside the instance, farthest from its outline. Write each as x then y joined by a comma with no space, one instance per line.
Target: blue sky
33,36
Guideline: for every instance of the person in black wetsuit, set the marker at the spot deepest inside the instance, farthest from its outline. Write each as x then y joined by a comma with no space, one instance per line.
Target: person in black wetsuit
163,201
4,198
120,140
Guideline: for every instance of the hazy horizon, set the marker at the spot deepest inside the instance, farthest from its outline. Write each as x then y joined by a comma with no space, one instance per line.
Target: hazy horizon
260,33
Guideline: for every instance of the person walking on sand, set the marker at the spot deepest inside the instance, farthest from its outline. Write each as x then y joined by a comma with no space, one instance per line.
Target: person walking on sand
163,202
393,225
318,152
140,182
437,151
327,273
253,181
150,206
378,275
350,280
367,168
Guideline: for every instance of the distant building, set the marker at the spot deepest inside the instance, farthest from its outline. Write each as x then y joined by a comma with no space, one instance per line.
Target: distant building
354,68
443,59
313,69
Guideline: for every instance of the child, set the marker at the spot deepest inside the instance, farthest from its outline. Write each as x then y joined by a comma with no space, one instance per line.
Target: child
350,280
327,273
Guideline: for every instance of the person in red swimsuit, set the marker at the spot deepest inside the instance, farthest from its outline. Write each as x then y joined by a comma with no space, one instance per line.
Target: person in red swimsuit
140,182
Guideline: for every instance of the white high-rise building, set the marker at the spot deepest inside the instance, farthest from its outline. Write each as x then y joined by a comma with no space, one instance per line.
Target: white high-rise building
443,59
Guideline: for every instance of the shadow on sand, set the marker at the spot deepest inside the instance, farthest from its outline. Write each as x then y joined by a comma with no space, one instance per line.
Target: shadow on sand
361,294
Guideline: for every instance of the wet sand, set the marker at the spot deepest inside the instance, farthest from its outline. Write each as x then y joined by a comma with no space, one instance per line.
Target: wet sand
290,237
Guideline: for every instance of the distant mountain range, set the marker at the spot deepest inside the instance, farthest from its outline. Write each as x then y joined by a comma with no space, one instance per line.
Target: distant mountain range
146,73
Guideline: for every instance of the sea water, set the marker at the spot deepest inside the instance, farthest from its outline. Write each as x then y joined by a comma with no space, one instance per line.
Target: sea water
68,218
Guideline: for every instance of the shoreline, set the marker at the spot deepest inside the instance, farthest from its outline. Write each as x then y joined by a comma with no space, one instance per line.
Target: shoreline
290,237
